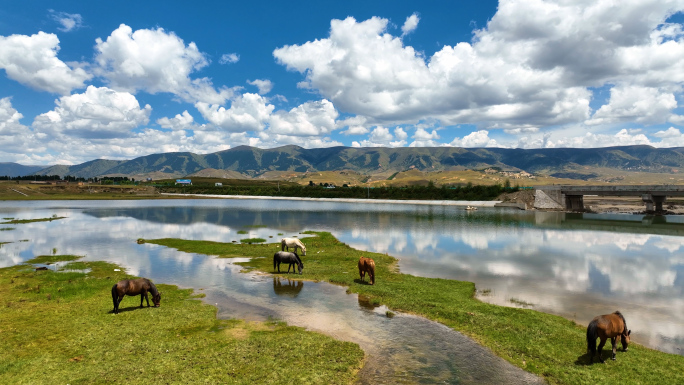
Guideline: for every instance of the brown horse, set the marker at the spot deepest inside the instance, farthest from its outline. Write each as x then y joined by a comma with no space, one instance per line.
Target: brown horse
134,287
604,327
367,265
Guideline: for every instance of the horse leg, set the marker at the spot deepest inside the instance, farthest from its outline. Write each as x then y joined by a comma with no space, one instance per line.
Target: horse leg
146,299
600,349
613,341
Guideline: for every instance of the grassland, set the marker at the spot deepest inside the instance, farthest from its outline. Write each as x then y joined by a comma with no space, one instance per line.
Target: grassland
544,344
57,328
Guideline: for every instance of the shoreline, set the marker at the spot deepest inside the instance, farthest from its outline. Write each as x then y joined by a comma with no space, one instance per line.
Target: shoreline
343,200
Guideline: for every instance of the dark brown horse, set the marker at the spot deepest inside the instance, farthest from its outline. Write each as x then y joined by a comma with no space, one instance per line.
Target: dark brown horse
604,327
134,287
367,265
291,259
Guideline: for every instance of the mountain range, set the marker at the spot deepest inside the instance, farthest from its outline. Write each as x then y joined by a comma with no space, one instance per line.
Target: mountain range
251,162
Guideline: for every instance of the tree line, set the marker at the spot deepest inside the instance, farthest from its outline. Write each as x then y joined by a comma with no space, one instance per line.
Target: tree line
430,192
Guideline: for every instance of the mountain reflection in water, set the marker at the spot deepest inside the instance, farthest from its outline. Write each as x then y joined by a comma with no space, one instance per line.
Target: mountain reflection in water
574,265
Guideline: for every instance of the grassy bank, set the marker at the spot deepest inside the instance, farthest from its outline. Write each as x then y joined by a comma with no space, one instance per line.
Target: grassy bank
57,328
544,344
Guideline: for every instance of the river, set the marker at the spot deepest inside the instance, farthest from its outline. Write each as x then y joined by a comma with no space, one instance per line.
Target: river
574,265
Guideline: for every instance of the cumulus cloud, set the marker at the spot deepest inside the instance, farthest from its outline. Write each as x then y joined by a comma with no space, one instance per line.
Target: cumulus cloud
410,24
532,65
17,142
68,21
248,112
182,121
98,113
231,58
475,139
155,61
264,85
646,105
308,119
32,61
381,137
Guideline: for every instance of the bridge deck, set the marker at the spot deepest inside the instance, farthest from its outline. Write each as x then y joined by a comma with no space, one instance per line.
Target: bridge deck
622,190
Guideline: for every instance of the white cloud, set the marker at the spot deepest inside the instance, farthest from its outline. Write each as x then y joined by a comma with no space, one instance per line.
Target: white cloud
410,24
264,85
308,119
269,140
521,130
475,139
229,58
32,61
98,113
381,137
400,133
17,142
530,67
182,121
68,21
635,104
155,61
248,112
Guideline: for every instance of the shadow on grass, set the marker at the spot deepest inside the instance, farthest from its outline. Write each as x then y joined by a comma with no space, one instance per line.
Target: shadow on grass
130,308
360,282
584,359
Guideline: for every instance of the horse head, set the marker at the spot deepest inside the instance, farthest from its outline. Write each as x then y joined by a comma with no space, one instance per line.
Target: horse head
156,298
625,338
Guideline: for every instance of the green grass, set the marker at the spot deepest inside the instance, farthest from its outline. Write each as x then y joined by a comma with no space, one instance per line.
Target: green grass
18,221
548,345
7,228
57,328
243,232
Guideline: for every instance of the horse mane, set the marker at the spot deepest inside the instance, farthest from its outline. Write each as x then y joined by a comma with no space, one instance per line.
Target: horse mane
153,289
298,259
617,313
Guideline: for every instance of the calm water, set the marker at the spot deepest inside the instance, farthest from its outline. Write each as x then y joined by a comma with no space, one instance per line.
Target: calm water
574,265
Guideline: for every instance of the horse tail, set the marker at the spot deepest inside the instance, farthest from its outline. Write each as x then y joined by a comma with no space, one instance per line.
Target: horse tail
592,335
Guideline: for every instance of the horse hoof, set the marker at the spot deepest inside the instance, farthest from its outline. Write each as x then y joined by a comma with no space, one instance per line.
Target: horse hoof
613,358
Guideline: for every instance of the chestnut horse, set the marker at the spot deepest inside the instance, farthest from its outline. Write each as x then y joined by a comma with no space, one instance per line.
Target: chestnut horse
367,265
134,287
604,327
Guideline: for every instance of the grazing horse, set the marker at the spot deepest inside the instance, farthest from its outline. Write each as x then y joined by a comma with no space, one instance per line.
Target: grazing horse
367,265
286,243
604,327
291,259
134,287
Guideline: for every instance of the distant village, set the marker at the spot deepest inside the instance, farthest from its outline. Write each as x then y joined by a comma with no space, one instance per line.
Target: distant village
510,174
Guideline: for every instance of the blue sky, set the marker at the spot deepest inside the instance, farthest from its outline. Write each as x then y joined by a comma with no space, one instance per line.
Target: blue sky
86,80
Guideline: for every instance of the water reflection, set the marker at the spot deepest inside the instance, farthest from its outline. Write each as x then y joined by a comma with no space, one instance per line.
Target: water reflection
286,287
575,265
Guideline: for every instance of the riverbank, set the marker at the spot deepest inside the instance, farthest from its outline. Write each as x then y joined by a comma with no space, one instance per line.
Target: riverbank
341,200
57,327
547,345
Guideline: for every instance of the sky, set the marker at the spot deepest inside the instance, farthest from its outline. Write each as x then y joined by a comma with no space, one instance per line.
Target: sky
85,80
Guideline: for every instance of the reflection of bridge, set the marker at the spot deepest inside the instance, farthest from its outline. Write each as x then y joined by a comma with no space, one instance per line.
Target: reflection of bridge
572,197
647,224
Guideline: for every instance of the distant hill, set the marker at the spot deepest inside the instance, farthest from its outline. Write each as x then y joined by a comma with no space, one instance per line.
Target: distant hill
250,162
16,169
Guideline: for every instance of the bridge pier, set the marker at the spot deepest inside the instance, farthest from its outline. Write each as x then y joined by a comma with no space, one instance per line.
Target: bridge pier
574,202
653,202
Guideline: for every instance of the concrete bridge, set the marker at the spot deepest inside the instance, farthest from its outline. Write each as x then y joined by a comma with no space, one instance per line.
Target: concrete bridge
572,197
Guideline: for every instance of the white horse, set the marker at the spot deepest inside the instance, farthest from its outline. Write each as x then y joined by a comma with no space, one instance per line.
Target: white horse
286,243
